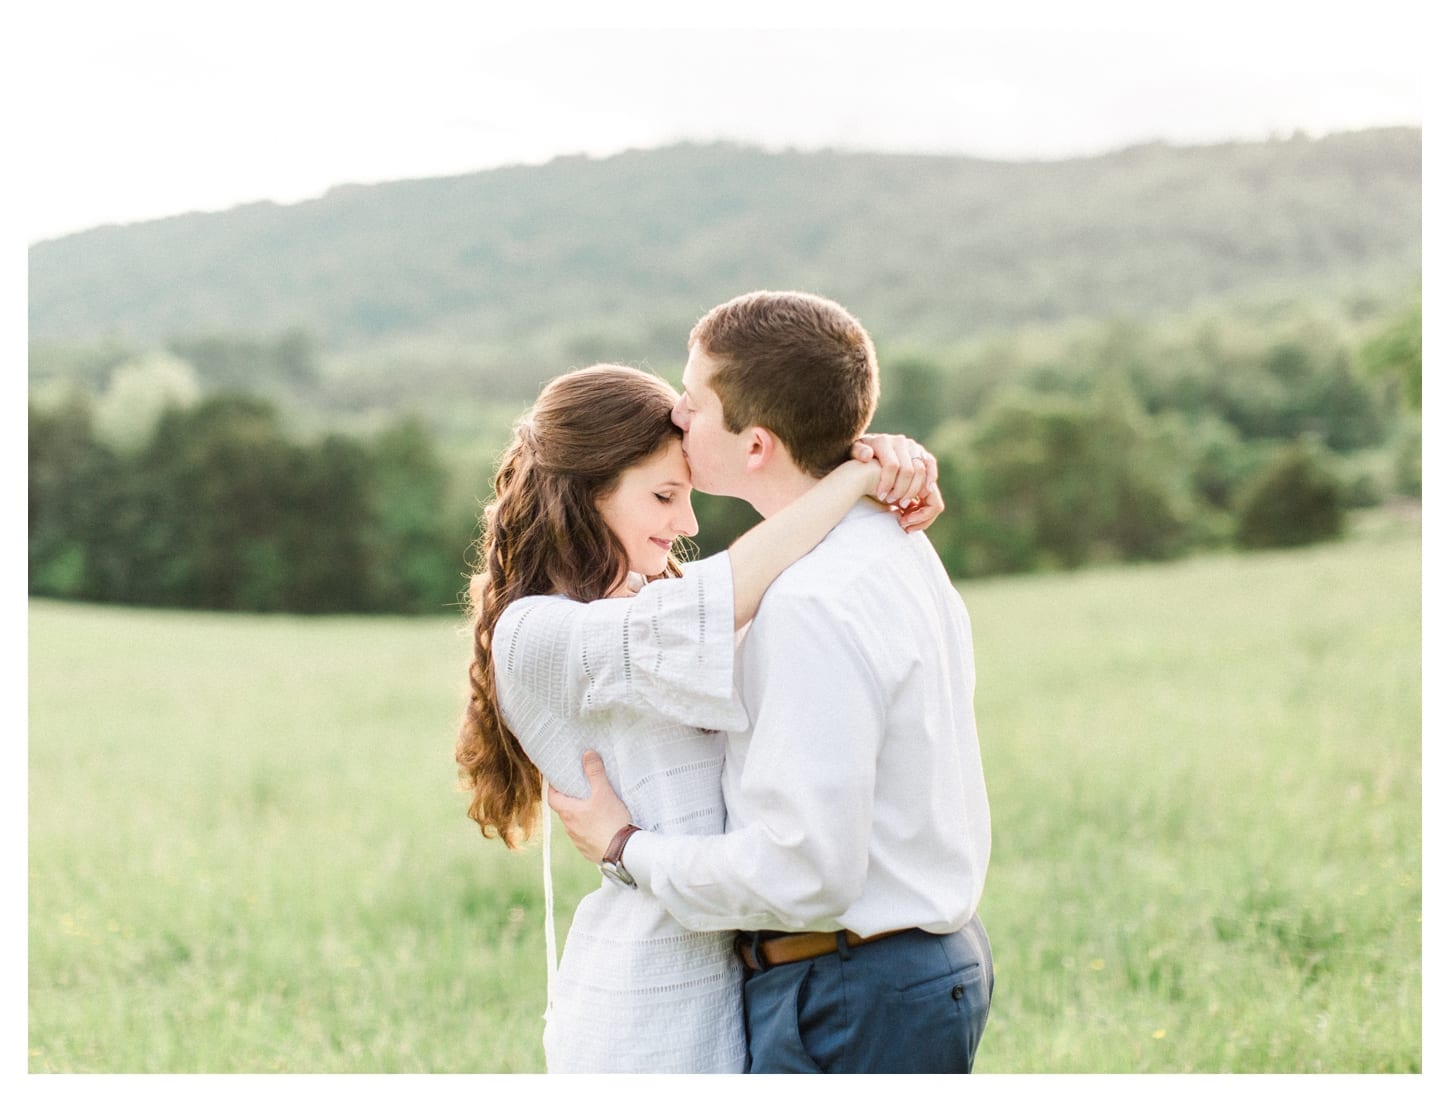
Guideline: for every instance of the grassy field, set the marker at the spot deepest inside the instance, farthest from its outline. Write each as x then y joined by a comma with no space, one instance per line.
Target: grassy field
246,852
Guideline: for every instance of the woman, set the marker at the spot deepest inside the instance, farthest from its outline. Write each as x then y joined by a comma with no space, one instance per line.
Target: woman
590,498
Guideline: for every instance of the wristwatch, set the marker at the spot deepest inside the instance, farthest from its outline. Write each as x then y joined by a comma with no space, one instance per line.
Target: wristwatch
613,864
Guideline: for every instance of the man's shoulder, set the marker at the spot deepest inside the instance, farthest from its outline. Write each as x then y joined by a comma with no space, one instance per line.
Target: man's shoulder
866,551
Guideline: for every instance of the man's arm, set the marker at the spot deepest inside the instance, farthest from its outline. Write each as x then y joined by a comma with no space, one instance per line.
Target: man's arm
800,858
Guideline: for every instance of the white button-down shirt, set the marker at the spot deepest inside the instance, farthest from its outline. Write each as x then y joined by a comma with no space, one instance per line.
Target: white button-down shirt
856,800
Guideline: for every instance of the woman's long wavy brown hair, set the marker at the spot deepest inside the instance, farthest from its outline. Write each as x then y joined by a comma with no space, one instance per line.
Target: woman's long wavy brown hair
542,533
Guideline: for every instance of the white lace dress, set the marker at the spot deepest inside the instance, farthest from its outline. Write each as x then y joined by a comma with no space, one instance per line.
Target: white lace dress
648,681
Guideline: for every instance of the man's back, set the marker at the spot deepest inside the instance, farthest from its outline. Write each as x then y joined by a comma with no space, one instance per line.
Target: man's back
862,766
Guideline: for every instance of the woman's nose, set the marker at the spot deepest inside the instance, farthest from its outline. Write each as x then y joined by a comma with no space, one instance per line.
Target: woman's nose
686,522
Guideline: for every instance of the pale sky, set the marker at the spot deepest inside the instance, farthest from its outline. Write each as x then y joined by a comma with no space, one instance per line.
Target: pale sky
137,110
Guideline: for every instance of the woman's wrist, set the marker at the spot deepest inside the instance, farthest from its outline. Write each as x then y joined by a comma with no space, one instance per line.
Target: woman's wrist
863,475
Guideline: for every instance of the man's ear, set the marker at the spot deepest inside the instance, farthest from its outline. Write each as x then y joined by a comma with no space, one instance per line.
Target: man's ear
761,450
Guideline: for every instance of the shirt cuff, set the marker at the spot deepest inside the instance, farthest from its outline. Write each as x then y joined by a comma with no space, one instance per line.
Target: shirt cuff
639,854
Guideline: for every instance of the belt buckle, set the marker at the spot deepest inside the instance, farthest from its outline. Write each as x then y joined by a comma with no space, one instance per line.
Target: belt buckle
747,943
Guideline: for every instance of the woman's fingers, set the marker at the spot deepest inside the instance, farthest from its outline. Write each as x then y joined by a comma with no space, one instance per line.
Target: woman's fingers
919,515
906,467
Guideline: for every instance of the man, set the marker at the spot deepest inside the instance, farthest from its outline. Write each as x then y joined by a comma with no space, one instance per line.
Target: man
858,831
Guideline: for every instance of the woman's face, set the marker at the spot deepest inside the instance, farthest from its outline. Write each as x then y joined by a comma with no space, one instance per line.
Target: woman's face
650,507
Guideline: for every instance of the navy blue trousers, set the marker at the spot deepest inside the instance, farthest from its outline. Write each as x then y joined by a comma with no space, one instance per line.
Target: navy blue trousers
913,1002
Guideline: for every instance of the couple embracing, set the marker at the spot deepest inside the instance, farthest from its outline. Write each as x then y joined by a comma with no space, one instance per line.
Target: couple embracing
771,753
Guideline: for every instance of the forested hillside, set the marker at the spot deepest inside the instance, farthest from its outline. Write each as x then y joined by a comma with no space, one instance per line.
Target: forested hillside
539,268
1122,358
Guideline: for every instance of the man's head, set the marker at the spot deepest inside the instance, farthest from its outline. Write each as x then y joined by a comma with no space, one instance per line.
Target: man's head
795,365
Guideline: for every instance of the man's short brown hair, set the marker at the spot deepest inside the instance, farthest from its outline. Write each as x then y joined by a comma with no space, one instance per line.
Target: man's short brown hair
794,363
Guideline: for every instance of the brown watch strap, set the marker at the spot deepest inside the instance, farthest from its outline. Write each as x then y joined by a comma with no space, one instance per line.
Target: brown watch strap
616,844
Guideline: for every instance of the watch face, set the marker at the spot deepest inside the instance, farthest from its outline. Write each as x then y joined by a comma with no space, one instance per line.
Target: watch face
618,873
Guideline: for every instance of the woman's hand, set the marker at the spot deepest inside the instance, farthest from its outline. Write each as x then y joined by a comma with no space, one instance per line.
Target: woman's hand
908,477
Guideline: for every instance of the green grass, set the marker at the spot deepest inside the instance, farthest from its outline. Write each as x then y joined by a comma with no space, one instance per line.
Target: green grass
1206,794
247,853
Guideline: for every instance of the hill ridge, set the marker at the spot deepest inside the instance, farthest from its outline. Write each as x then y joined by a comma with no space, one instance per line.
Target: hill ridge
547,262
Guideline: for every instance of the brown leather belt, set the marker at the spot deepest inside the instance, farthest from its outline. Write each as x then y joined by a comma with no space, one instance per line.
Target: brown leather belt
764,950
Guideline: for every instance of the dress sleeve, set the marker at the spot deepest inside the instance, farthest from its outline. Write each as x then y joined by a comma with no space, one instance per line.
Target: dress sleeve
669,650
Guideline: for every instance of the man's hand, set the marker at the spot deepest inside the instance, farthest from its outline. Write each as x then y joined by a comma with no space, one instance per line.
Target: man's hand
591,823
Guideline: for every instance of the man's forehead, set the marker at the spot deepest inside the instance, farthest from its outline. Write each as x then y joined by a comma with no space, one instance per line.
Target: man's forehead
697,369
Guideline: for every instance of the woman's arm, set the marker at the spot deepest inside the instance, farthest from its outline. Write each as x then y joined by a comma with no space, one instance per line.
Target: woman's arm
883,467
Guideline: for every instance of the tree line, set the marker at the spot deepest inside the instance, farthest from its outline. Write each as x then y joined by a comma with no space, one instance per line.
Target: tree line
220,509
1113,442
1130,442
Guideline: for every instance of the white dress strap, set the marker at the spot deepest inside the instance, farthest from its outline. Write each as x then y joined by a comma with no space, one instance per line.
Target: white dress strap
550,938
